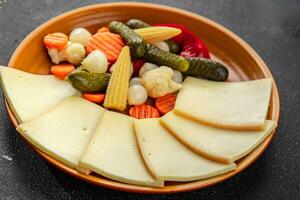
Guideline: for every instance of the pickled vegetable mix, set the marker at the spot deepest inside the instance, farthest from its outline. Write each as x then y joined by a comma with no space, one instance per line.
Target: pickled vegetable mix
132,67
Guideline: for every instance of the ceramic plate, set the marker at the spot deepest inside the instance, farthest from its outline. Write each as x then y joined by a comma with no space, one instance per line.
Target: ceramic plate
242,61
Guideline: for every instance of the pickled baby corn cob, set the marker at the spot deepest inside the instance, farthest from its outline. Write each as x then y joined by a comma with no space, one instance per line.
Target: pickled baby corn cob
157,33
117,90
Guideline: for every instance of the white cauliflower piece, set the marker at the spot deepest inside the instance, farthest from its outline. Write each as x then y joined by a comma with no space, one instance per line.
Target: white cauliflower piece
158,82
57,55
75,53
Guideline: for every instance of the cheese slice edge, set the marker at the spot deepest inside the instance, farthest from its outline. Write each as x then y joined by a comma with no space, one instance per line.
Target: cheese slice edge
228,105
170,160
30,95
113,152
216,144
64,131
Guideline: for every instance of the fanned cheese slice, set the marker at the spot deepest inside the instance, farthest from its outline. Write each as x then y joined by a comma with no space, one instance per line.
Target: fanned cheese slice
113,152
64,131
230,105
168,159
30,95
216,144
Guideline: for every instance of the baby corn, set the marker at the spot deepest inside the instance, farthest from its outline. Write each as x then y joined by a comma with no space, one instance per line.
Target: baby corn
157,33
117,90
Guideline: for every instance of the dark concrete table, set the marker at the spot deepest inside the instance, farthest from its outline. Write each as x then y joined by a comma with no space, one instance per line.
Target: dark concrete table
271,27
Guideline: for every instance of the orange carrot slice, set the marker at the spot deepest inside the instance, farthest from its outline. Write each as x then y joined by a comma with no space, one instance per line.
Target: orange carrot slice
165,103
109,43
56,40
103,30
143,111
94,97
62,70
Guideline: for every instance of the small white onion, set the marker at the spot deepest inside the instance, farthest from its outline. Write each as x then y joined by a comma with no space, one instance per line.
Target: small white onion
147,67
135,81
162,45
137,95
95,62
80,35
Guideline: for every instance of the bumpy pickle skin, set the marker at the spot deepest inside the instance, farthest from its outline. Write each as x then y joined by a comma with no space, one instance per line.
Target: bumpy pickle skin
89,82
207,69
136,23
134,41
160,57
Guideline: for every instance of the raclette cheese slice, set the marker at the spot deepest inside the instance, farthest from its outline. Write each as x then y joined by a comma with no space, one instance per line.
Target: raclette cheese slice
30,95
168,159
64,131
230,105
113,152
213,143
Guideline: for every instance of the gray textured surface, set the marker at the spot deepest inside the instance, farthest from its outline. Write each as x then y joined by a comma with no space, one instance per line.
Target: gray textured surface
270,27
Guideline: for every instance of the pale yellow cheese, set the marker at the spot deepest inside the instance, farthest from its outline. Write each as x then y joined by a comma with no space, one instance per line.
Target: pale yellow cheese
230,105
113,152
30,95
168,159
64,131
214,143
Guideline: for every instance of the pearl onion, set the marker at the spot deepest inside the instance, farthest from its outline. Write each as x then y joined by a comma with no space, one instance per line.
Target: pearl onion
137,95
80,35
162,45
177,76
135,81
147,67
95,62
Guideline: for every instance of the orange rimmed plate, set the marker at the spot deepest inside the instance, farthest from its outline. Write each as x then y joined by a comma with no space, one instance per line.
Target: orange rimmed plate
243,63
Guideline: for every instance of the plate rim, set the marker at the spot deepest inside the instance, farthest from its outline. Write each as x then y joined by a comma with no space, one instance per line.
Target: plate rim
182,187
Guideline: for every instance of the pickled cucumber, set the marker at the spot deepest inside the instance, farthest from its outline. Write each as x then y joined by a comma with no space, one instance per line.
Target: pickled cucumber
173,46
207,69
133,40
160,57
136,23
89,82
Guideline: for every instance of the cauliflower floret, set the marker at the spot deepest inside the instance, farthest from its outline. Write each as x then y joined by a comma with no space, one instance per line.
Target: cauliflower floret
75,53
177,76
158,82
57,55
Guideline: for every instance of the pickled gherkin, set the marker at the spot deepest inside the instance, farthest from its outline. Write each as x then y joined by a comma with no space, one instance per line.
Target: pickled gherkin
133,40
207,69
173,46
89,82
136,23
160,57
